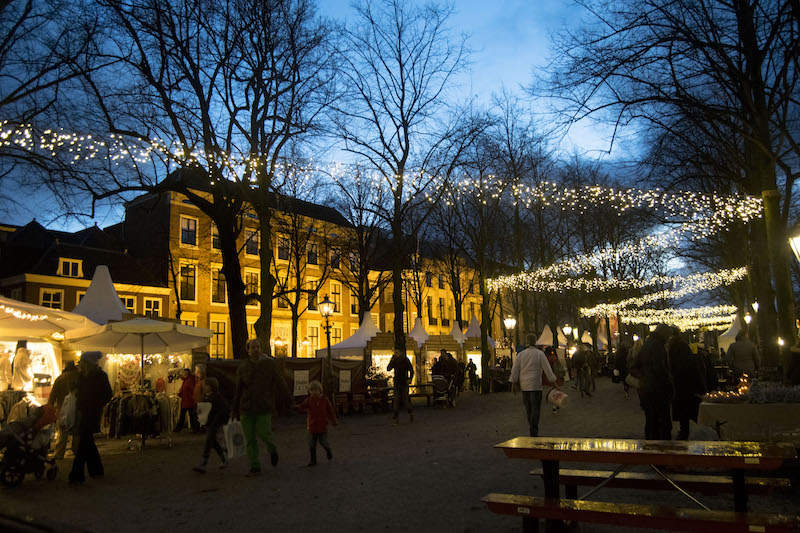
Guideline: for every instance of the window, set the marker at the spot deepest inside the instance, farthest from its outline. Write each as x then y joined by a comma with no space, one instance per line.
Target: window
335,259
218,295
441,281
336,335
189,231
81,294
313,338
336,297
312,300
283,249
189,322
16,293
353,302
187,288
312,254
431,320
471,309
52,298
443,313
130,303
353,262
70,267
428,279
218,339
152,306
251,283
251,242
251,330
353,331
216,243
283,303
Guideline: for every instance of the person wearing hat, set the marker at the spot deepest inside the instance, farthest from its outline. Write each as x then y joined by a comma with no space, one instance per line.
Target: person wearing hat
61,387
656,389
93,392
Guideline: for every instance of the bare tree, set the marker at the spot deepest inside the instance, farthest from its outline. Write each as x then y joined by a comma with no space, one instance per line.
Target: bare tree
397,64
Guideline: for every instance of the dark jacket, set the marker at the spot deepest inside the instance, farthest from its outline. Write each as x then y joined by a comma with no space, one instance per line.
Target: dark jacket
652,369
93,393
259,387
220,411
403,371
688,379
62,385
621,360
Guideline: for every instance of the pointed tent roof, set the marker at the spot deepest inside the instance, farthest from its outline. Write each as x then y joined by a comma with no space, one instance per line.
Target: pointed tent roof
586,338
418,332
101,302
457,334
562,339
355,343
735,328
474,330
546,338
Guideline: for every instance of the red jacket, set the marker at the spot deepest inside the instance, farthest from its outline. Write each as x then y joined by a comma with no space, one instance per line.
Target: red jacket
187,392
320,411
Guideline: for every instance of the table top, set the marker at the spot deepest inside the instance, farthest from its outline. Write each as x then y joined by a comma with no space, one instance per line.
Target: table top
710,454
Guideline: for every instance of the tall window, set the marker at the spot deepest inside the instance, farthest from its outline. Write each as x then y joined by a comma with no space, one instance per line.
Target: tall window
335,260
313,337
312,254
218,295
283,249
216,243
218,340
152,306
353,302
188,231
336,335
443,313
251,242
441,281
251,284
429,303
312,300
353,262
52,298
428,279
336,297
283,303
188,277
471,309
16,293
130,303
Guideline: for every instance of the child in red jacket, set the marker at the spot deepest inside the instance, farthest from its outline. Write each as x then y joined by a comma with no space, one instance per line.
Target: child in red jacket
320,411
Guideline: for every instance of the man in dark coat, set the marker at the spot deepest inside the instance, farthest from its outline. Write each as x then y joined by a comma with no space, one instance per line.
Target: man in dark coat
655,384
61,387
403,374
689,382
93,393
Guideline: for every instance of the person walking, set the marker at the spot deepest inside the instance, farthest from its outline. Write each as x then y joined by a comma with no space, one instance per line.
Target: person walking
743,356
403,374
61,387
656,390
259,387
621,367
526,375
320,411
558,370
580,363
687,374
217,417
473,375
186,394
93,392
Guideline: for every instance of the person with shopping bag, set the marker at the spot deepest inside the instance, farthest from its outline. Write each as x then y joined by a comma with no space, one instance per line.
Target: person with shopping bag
217,417
259,388
526,375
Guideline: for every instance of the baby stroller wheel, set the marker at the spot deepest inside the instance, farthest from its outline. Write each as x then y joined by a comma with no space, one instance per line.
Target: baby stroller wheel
52,472
11,477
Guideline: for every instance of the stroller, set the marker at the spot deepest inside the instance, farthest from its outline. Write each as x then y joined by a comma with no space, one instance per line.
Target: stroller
445,390
25,444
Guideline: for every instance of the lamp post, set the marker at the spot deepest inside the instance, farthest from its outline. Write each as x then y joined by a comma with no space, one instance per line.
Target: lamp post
567,330
326,308
510,323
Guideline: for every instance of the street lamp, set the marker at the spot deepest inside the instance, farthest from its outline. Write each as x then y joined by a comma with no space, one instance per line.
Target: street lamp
635,337
794,241
510,323
748,319
755,307
326,308
567,330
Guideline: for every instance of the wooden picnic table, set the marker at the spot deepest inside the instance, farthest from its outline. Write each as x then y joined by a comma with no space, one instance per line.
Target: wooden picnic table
737,457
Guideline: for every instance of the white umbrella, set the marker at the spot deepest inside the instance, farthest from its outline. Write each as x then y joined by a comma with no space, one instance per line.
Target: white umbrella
142,335
22,320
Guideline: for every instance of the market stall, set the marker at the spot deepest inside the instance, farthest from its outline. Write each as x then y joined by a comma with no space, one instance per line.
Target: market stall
472,345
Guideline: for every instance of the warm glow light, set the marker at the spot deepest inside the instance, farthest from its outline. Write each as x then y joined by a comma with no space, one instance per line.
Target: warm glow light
755,307
326,307
747,319
510,322
780,342
567,329
635,338
305,341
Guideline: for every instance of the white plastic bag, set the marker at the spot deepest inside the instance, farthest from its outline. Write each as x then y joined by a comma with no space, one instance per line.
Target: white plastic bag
234,439
203,410
68,416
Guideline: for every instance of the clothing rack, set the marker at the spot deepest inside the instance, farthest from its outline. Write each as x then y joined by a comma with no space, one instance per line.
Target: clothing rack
140,413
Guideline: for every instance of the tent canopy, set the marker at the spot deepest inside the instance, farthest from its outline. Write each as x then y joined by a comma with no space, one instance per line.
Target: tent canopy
101,302
354,345
586,338
474,331
546,338
139,335
562,339
25,321
457,334
418,332
726,339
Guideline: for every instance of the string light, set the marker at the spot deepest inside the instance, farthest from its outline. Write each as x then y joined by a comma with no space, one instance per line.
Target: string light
711,317
742,390
149,359
22,315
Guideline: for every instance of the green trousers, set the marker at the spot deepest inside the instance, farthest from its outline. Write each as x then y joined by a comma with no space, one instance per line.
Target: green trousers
257,426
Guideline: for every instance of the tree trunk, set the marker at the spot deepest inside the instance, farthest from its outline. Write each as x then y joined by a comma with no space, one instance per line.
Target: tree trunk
486,354
235,289
263,325
295,321
766,319
397,294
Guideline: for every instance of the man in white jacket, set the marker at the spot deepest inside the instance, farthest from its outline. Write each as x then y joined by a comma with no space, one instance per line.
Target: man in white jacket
526,375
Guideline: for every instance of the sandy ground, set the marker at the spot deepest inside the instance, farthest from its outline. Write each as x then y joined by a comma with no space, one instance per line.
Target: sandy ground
425,476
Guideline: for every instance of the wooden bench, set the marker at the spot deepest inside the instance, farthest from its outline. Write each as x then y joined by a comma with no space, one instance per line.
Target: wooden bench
710,484
532,508
424,390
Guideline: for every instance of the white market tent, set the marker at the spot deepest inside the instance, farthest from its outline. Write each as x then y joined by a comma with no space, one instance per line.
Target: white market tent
562,339
586,338
101,302
25,321
474,331
457,334
354,345
418,332
726,339
546,338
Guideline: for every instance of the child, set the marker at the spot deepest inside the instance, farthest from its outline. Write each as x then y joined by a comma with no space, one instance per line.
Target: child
216,419
320,411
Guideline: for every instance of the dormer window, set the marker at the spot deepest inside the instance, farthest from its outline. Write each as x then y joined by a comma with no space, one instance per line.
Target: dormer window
72,268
